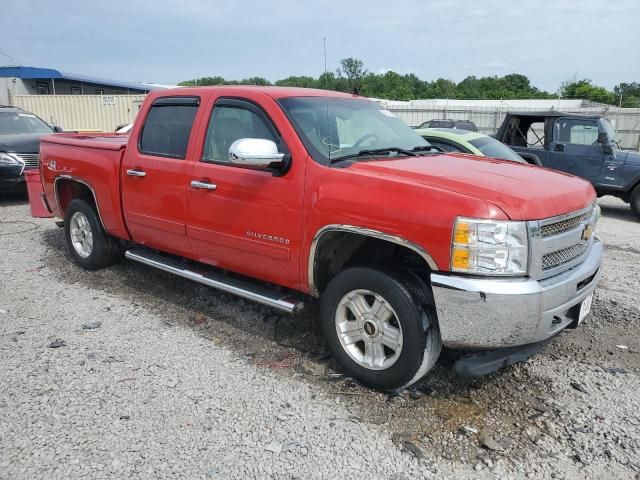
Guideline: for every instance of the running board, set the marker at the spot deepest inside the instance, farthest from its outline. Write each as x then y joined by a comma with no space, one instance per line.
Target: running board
260,293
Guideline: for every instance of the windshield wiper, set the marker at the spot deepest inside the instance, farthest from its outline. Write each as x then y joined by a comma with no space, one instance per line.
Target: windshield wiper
375,151
428,148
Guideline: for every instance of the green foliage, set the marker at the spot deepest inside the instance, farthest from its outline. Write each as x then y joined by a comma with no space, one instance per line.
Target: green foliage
212,81
629,93
354,70
204,82
394,86
586,90
295,81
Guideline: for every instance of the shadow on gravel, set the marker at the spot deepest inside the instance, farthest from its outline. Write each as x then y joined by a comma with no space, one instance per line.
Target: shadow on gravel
620,212
13,198
443,414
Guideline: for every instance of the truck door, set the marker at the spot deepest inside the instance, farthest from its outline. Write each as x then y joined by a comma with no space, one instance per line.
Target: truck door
155,175
240,218
574,148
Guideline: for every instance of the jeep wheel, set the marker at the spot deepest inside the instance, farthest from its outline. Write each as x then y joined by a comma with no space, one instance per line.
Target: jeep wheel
635,201
380,326
88,243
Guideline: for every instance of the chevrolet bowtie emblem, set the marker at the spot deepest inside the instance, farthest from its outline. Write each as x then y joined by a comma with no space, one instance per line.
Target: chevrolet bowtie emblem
587,232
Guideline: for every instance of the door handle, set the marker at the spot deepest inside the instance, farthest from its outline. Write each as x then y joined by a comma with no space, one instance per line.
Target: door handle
203,185
132,172
559,147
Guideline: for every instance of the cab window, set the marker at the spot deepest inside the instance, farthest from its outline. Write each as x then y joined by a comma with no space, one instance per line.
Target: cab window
229,123
168,126
576,131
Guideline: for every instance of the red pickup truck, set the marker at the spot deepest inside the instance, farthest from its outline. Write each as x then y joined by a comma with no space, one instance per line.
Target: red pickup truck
280,195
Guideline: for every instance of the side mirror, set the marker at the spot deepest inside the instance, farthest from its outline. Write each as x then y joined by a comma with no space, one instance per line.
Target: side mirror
57,129
255,152
603,138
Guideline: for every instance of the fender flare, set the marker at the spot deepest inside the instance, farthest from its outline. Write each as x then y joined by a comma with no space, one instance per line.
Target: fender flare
82,182
367,232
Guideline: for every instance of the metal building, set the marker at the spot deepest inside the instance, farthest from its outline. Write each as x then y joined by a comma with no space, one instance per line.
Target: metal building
19,80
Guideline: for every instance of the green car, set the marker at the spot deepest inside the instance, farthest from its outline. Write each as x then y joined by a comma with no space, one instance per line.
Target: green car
464,141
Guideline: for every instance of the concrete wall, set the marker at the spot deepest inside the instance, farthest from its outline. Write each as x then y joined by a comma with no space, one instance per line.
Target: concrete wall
83,112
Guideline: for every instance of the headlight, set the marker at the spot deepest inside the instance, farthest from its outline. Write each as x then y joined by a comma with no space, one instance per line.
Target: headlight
8,159
487,247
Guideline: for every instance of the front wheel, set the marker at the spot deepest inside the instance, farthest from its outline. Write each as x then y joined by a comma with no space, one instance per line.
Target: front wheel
380,326
635,201
88,243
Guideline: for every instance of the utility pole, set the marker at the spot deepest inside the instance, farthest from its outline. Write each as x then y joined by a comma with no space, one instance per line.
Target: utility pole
324,42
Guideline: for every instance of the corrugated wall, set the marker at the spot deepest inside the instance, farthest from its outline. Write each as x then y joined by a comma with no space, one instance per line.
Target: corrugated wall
83,112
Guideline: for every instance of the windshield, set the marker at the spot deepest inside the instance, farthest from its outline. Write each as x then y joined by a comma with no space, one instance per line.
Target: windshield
332,128
18,122
490,147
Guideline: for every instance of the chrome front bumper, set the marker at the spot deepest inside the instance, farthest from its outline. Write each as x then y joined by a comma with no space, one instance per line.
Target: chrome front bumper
485,313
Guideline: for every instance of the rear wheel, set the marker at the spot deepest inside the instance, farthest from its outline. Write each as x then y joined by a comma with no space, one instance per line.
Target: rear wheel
635,201
88,243
380,326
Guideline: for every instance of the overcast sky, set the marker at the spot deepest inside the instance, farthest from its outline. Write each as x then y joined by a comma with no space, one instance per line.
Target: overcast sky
167,41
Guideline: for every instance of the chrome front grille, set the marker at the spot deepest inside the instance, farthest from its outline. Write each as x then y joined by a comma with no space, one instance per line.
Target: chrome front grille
558,244
562,226
560,257
31,160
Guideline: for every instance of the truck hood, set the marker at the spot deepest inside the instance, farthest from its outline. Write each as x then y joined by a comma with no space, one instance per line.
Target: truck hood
21,142
523,192
628,157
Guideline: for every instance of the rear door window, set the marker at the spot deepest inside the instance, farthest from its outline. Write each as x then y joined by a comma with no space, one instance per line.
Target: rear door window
168,125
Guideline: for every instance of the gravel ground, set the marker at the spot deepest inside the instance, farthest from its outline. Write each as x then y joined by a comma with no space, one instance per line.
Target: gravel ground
132,373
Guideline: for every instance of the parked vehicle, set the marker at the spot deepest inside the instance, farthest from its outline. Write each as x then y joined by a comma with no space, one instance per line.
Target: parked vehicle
463,141
126,128
582,145
280,195
20,134
446,123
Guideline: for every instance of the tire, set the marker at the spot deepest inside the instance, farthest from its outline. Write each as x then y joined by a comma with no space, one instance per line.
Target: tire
90,246
635,201
409,306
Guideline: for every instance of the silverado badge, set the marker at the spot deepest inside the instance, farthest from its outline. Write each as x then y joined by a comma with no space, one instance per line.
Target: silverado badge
269,238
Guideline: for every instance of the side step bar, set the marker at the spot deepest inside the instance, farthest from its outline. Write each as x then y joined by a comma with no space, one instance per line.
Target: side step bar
242,288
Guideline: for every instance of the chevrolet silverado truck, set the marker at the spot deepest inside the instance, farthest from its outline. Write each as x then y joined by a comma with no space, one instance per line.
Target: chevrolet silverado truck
579,144
283,195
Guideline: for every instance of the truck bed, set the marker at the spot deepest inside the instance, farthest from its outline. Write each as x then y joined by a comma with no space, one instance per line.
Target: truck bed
92,159
103,141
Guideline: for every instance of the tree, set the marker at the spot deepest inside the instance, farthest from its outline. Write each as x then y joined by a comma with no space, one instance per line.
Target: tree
327,81
586,90
255,81
394,86
354,70
628,94
204,81
295,81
